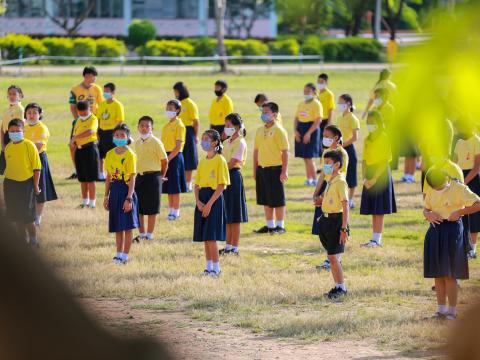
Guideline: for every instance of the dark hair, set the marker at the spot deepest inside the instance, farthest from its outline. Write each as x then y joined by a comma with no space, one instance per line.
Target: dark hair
377,116
222,83
176,103
383,92
335,155
110,86
436,177
182,90
83,105
123,127
272,106
348,98
323,76
260,97
384,74
17,89
33,106
311,86
236,120
146,118
335,131
16,122
214,135
90,70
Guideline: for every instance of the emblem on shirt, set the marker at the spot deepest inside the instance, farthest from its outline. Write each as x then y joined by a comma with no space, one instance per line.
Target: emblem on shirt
105,115
212,174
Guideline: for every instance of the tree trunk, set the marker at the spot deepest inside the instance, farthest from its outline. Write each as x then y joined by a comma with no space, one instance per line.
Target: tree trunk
220,25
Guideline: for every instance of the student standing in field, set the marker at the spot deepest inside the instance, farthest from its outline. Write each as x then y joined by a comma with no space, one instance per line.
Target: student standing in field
385,82
467,156
445,254
87,158
333,223
270,169
21,184
260,100
15,110
152,165
378,197
110,113
221,106
327,99
332,139
235,151
190,119
307,131
37,132
120,198
173,138
349,126
210,217
87,91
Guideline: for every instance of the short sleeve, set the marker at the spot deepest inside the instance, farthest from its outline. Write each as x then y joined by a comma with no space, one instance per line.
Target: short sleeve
180,133
342,192
194,111
238,155
99,97
121,113
281,139
256,142
468,197
73,98
229,107
94,124
331,103
131,164
161,153
355,122
317,110
34,157
223,177
427,202
198,177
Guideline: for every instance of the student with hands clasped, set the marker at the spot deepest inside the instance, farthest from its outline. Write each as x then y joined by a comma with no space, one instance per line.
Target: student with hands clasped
210,217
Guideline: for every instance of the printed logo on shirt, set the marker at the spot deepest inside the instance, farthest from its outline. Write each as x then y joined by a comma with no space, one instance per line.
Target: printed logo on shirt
304,113
105,115
212,174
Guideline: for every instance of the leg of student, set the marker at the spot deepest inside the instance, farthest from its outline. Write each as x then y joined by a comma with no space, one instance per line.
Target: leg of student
84,189
234,235
336,267
410,165
452,294
188,176
351,193
119,236
142,224
474,237
310,169
38,212
377,225
269,217
280,216
229,236
151,223
208,258
127,242
214,255
440,290
32,233
92,193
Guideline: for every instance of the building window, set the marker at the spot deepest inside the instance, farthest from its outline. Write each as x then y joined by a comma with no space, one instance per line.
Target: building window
165,9
25,8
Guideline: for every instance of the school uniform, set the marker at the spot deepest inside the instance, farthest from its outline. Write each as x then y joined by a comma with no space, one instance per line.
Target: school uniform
327,99
190,153
394,131
121,168
234,194
343,172
211,173
218,110
87,157
39,134
330,222
445,248
270,143
109,116
148,183
172,132
307,113
14,111
93,95
347,124
22,160
379,199
465,152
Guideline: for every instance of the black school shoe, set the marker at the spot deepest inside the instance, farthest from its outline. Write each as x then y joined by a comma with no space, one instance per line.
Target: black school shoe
336,293
279,230
72,177
265,230
224,251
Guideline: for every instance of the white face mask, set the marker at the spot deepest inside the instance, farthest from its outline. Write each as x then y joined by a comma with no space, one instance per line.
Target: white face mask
229,131
327,142
377,102
170,114
145,136
32,122
372,128
308,97
84,117
342,107
321,86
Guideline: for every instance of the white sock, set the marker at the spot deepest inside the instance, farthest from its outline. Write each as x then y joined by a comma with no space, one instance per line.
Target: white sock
149,235
350,202
142,235
124,256
341,286
442,309
119,255
377,237
281,223
228,247
216,267
452,310
86,202
93,202
38,220
170,211
176,212
474,247
189,185
235,248
33,240
271,224
209,265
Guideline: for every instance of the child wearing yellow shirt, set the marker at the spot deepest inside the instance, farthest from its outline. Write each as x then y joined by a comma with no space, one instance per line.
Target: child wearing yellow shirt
37,132
173,138
327,99
120,199
14,111
260,100
210,218
221,106
21,184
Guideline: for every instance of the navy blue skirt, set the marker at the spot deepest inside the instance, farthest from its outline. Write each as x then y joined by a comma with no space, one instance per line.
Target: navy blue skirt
176,182
445,251
235,199
473,219
45,184
352,166
118,220
310,150
379,199
213,227
318,212
190,153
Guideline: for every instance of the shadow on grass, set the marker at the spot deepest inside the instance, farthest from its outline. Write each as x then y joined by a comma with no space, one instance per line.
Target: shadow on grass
417,354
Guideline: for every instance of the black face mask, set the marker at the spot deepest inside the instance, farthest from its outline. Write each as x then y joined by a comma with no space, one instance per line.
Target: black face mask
219,92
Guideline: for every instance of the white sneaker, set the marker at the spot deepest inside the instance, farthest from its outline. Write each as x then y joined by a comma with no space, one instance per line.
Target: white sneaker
372,243
472,254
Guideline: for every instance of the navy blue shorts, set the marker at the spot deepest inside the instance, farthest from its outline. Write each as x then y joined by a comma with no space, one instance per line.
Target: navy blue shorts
176,182
105,142
118,220
329,233
310,150
214,226
148,188
351,176
270,190
190,153
379,199
45,183
87,161
20,203
235,199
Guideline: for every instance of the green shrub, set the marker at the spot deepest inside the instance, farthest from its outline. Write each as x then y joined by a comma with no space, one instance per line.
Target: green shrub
245,47
203,46
287,46
140,32
11,43
58,46
352,49
311,45
166,48
84,47
110,47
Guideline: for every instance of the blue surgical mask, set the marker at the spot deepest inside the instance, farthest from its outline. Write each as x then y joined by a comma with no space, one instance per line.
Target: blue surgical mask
328,169
265,117
15,136
107,96
206,145
120,142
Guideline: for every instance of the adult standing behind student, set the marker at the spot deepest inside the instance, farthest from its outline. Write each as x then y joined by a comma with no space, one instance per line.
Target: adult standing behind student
221,106
110,113
327,99
87,91
270,169
307,131
190,119
262,99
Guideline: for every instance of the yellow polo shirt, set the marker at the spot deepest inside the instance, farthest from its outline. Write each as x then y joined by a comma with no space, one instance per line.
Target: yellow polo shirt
121,166
38,134
172,132
110,114
189,112
150,154
346,124
327,99
334,195
93,94
466,150
377,149
309,111
15,111
22,159
212,172
83,125
236,149
219,109
456,197
270,142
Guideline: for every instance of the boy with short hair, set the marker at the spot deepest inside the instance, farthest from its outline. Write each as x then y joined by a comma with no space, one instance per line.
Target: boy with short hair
221,106
327,99
270,165
333,223
260,100
21,184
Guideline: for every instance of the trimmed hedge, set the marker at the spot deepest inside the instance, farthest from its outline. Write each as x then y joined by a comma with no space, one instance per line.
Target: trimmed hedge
84,47
10,45
166,48
110,47
352,49
287,46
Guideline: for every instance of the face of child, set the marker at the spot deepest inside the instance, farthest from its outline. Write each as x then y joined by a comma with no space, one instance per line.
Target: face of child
83,113
267,114
176,93
15,129
89,79
121,134
207,143
33,115
330,166
308,91
321,83
327,134
145,127
13,96
171,111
